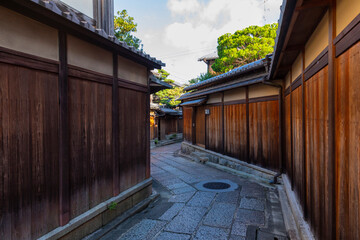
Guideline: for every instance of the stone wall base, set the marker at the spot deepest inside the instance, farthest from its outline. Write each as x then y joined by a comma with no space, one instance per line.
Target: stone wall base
223,162
102,214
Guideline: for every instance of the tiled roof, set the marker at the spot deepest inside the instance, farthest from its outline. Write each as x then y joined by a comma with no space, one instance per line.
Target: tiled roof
235,72
81,19
210,56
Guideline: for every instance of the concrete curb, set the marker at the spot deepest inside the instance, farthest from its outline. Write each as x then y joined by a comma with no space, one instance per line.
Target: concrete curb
94,212
295,224
229,164
126,215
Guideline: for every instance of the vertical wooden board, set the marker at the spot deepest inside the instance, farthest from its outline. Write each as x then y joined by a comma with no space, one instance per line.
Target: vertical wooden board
187,116
200,126
51,147
79,93
36,123
5,212
288,136
354,140
252,130
265,156
242,132
342,147
21,171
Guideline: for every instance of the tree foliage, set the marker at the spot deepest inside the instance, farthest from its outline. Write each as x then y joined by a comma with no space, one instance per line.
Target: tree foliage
202,77
244,46
167,97
124,27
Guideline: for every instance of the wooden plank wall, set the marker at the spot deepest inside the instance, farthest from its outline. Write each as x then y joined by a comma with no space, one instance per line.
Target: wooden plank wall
316,129
314,191
187,123
347,150
264,134
235,131
169,125
214,128
200,126
29,119
29,143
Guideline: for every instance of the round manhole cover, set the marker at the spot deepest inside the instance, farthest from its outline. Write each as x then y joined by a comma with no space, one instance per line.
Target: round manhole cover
221,185
216,185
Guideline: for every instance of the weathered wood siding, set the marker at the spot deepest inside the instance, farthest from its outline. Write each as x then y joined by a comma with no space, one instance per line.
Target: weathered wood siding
235,131
316,129
264,134
29,119
347,152
200,126
214,128
288,156
30,182
187,123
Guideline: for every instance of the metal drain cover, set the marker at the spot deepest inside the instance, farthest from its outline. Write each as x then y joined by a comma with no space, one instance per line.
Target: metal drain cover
222,185
216,185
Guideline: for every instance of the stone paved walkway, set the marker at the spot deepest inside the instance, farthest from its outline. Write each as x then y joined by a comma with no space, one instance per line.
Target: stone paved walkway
184,212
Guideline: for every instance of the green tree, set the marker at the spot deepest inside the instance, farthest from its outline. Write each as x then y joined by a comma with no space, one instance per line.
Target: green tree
202,77
244,46
168,97
124,27
162,75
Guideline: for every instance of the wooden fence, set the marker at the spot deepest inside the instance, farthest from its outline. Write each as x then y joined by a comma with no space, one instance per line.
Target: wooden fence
60,160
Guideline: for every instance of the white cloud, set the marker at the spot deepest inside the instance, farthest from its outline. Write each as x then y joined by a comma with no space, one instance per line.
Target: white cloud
183,6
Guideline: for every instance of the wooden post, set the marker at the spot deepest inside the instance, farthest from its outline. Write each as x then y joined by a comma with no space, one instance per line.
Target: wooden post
305,195
223,123
64,164
247,125
115,128
331,170
291,136
147,125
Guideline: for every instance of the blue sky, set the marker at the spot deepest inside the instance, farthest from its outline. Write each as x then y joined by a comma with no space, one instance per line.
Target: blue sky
178,32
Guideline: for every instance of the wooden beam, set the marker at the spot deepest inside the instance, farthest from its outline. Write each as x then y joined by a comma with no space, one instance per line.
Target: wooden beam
332,231
247,126
312,4
115,128
64,164
147,125
291,137
293,48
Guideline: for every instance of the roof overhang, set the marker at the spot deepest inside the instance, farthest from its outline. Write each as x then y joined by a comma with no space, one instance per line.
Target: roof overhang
298,20
225,87
194,103
158,85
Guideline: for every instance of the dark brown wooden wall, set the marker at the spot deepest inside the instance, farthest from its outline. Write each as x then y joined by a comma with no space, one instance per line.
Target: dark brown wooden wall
264,134
29,115
235,130
30,182
200,126
310,178
214,126
347,150
169,125
187,123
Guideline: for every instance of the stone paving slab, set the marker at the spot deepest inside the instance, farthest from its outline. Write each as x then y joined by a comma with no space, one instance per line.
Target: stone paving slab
201,199
207,233
187,220
220,215
228,197
252,204
172,212
239,229
146,229
250,217
184,190
173,236
182,198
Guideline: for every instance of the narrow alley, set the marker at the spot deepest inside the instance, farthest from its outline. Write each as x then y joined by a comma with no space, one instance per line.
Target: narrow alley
187,210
